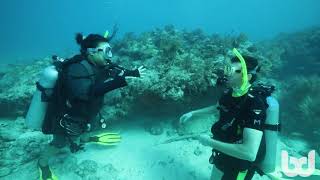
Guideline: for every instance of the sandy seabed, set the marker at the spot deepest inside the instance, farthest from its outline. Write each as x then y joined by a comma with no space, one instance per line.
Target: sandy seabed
139,156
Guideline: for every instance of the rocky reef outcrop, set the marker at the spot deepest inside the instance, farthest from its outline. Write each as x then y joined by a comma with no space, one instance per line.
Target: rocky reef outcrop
182,68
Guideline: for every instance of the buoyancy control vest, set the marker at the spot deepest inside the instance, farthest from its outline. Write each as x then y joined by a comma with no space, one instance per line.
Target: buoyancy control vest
229,128
49,101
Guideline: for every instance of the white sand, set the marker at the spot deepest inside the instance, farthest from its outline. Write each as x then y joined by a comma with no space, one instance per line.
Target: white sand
139,156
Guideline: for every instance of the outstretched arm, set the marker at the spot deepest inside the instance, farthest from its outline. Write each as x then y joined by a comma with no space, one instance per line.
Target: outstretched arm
199,113
204,111
119,75
107,86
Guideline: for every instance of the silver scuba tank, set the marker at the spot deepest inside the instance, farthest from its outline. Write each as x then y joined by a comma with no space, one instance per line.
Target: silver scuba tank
38,106
268,164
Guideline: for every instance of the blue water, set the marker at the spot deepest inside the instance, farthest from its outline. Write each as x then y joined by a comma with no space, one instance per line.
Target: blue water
35,28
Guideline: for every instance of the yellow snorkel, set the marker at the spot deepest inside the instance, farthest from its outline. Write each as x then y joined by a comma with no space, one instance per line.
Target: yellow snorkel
245,83
106,34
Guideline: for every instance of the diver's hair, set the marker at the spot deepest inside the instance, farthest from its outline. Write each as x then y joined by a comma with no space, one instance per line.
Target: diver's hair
252,66
91,41
79,38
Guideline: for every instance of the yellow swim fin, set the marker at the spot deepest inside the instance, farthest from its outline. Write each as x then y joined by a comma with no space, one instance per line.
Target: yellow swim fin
49,175
106,138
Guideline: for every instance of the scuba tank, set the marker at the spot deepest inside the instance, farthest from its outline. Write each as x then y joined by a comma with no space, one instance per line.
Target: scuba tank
39,103
270,129
47,91
44,93
268,164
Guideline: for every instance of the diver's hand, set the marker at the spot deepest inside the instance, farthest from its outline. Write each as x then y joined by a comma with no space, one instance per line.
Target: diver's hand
205,140
184,118
142,71
76,147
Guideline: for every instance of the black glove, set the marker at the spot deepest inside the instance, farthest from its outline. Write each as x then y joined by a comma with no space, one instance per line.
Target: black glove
74,147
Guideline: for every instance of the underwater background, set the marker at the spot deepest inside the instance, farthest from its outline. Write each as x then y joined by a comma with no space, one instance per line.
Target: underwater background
182,43
37,28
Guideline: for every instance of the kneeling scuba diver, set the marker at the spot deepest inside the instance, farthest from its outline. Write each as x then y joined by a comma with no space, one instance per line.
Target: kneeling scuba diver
245,136
70,95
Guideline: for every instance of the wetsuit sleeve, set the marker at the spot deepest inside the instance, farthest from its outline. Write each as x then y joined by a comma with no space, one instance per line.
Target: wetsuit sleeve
257,114
102,88
78,83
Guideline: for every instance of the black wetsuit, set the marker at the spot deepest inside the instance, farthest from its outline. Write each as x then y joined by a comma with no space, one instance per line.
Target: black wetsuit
83,86
85,91
248,111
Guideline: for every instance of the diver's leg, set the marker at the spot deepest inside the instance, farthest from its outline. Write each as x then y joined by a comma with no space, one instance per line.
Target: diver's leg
230,175
43,162
84,138
47,154
236,174
249,174
94,130
215,173
50,150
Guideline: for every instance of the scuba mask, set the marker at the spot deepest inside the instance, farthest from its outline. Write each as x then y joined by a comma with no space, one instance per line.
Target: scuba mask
106,49
229,70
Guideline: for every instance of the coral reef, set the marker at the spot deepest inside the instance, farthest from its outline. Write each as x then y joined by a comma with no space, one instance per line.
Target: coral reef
298,52
182,68
17,86
18,145
300,106
291,55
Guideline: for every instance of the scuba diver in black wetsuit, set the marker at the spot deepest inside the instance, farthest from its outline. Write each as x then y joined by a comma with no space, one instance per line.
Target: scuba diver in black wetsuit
239,139
71,95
